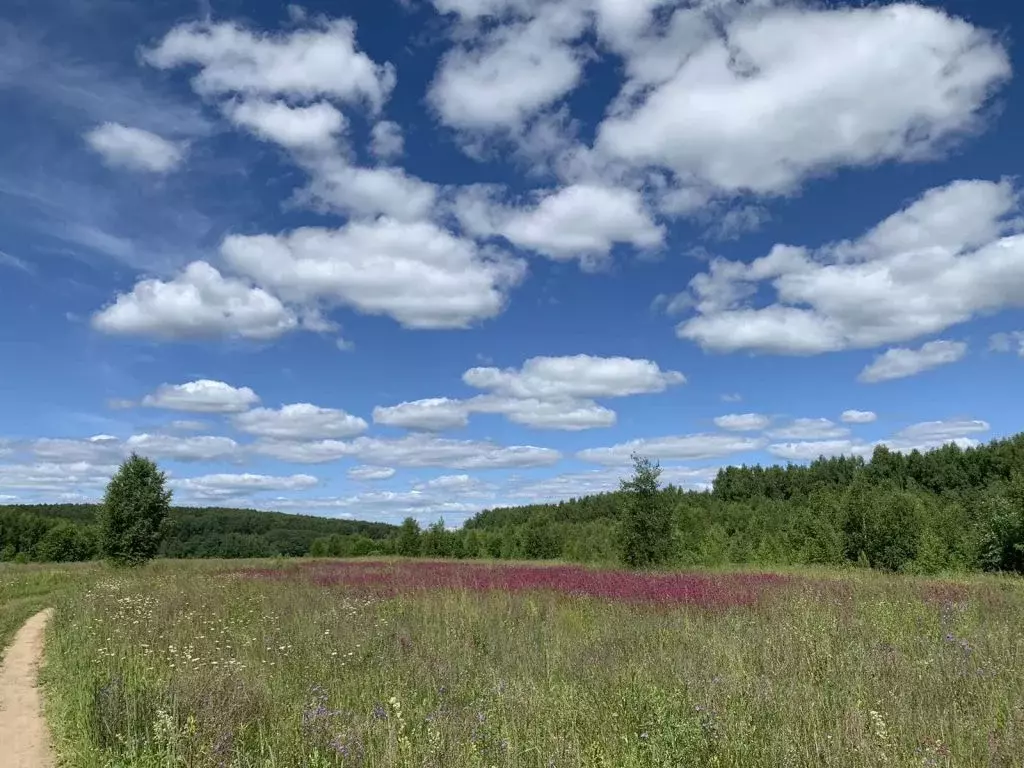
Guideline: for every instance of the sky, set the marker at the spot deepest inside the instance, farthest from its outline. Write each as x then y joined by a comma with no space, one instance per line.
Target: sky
426,257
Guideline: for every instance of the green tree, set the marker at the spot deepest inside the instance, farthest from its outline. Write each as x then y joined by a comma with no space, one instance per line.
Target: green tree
646,518
408,544
133,517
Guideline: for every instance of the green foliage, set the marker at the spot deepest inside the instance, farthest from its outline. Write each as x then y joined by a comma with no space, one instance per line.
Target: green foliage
408,543
133,518
646,519
1002,546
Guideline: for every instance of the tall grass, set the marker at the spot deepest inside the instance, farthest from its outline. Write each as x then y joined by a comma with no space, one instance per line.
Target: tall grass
26,589
177,665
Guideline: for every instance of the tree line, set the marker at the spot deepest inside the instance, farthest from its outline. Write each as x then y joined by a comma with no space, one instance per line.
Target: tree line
920,512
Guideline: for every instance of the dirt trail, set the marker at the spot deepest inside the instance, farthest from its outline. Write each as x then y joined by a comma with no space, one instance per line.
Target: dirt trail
24,740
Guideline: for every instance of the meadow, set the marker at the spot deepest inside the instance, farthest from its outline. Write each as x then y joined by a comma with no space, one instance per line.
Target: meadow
427,663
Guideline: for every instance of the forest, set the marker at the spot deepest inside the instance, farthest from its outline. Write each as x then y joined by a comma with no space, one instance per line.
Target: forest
949,509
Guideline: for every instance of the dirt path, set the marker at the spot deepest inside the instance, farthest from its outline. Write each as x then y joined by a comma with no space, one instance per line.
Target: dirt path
24,741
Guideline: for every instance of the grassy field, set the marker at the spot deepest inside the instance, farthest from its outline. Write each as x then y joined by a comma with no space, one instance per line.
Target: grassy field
444,664
26,589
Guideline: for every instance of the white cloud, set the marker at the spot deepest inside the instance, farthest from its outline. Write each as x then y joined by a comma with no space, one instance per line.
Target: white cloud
732,397
793,92
545,393
950,256
386,140
202,396
320,60
440,413
743,422
227,485
858,417
935,433
900,362
416,450
810,429
200,448
809,450
370,473
435,414
566,414
121,146
512,72
312,127
581,221
312,452
576,376
1006,342
56,477
675,447
99,449
299,421
367,192
198,303
106,449
422,276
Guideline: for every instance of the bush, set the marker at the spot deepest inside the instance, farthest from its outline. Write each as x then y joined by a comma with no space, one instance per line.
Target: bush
133,517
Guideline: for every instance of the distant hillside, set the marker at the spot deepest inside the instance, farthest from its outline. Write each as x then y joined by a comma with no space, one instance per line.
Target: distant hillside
64,532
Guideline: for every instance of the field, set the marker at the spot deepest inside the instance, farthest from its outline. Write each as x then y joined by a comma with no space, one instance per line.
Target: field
412,663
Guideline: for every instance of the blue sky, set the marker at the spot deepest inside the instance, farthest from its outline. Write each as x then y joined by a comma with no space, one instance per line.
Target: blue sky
440,255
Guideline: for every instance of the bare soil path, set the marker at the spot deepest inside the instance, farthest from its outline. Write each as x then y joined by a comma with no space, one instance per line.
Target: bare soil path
24,740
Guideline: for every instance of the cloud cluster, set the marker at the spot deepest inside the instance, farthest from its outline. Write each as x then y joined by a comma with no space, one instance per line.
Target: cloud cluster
719,100
953,254
545,393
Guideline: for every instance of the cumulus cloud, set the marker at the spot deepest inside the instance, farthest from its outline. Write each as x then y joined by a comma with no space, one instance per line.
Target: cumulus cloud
500,80
109,450
321,59
926,435
370,473
809,429
202,396
900,362
575,376
434,414
566,414
858,417
952,255
415,450
761,98
219,486
199,448
57,477
675,447
743,422
809,450
545,393
312,127
417,273
121,146
580,221
299,421
198,303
